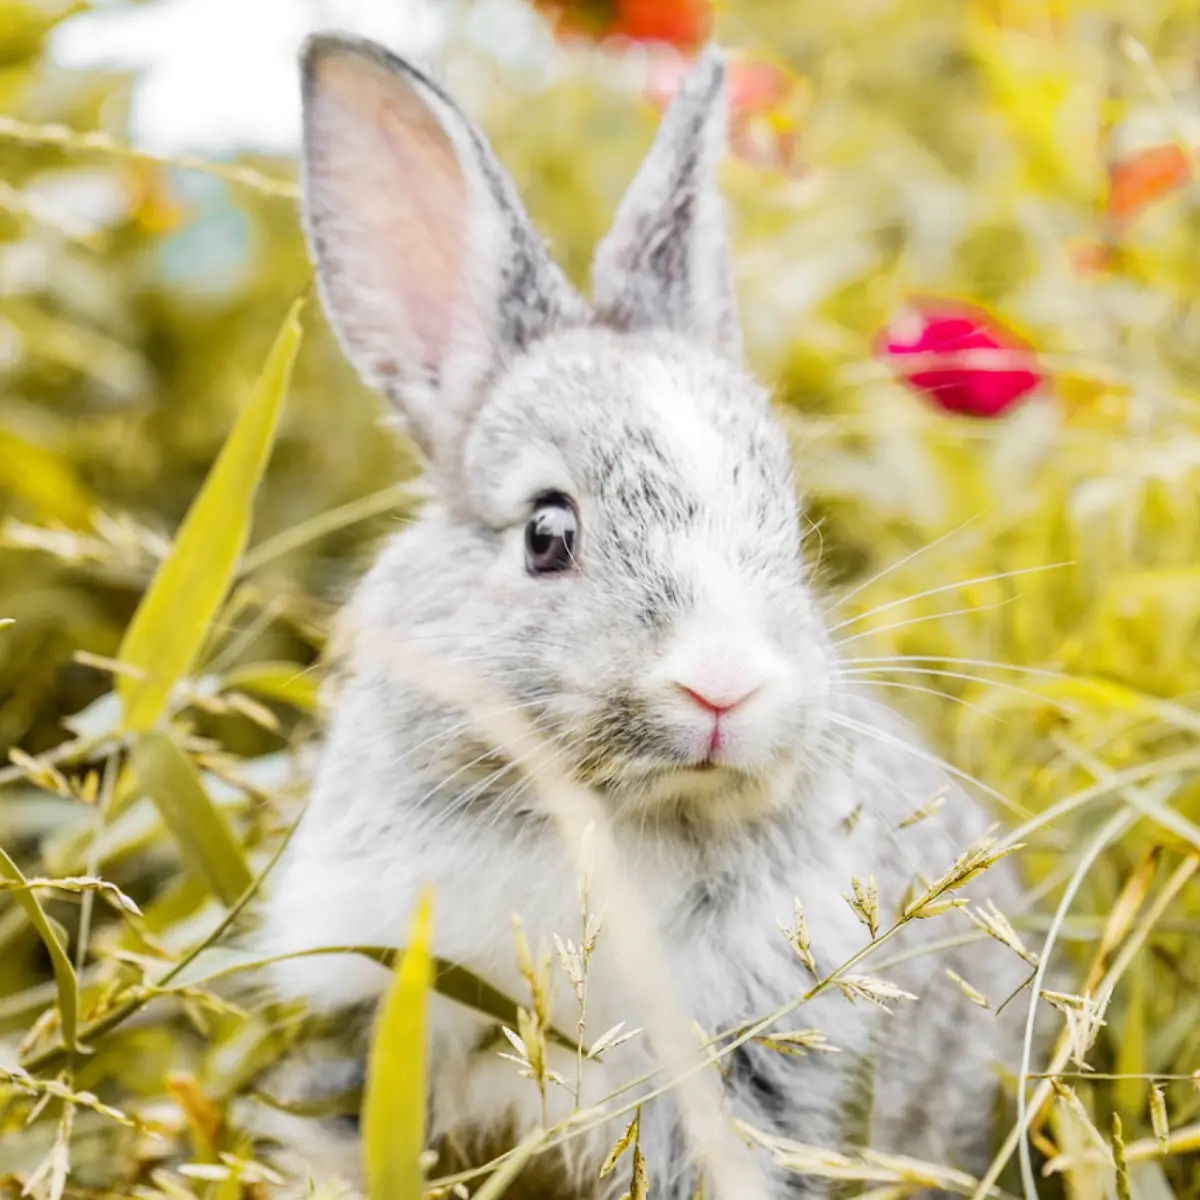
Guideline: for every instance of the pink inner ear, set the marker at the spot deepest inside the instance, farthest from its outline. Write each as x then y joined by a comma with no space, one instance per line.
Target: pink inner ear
393,176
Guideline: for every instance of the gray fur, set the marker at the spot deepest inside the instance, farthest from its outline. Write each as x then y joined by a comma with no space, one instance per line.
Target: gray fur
427,263
664,264
689,570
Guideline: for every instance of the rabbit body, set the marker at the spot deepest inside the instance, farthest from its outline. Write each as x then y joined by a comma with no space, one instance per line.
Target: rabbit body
674,656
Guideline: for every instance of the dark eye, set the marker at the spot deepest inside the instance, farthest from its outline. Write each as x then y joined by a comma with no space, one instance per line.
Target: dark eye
550,536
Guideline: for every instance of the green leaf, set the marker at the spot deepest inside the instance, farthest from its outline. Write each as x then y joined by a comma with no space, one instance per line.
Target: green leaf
205,842
456,983
64,973
288,682
393,1118
172,621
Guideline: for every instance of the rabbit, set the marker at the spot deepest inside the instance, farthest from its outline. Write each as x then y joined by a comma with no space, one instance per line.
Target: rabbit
613,540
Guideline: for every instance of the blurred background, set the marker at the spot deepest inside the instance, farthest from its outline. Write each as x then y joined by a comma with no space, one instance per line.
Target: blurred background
967,240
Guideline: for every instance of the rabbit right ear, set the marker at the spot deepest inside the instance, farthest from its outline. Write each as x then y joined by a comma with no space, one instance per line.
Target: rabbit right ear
429,268
665,262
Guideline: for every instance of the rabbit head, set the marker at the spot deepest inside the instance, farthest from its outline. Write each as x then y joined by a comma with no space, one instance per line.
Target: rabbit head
615,537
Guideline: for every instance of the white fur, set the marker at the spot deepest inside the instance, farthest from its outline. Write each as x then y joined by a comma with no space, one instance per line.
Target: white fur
688,574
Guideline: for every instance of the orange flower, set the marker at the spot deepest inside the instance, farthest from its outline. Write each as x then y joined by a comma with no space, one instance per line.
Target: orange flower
684,24
1142,178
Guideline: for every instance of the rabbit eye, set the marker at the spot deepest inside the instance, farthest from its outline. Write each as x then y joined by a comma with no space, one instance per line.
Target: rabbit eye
550,535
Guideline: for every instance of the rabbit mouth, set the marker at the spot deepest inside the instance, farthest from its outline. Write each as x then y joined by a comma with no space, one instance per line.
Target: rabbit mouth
629,747
650,782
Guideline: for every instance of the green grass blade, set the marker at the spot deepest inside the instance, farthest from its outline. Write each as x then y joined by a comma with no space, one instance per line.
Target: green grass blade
64,974
171,623
205,842
456,983
285,681
393,1117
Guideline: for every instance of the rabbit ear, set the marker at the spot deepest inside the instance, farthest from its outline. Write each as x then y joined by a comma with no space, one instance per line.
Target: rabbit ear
665,262
429,268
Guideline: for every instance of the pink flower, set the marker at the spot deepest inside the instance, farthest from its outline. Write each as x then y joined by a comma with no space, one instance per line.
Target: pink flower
963,361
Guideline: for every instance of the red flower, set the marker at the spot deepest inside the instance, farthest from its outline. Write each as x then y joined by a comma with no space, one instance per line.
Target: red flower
987,369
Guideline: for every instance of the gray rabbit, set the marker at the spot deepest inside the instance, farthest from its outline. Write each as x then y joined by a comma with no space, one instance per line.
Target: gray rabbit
614,543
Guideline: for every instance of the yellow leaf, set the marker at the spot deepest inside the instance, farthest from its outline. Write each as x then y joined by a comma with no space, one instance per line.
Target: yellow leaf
173,783
170,625
203,1117
1030,89
41,478
1131,1051
64,973
394,1100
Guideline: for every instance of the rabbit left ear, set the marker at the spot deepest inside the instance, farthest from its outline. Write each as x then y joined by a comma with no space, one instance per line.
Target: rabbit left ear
429,267
665,262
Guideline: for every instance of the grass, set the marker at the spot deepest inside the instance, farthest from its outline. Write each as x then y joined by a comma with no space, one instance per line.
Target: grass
1026,587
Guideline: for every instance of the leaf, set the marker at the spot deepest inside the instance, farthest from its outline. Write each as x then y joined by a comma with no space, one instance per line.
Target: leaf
203,1118
171,623
393,1118
456,983
64,973
40,477
205,842
283,681
1031,90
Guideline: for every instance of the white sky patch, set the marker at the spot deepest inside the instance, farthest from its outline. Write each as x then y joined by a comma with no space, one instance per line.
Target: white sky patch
219,76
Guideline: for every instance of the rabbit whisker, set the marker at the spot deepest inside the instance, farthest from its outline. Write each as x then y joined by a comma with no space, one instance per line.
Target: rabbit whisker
946,587
900,562
888,739
937,616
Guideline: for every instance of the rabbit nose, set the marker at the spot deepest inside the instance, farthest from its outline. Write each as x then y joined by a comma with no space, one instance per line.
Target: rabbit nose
717,701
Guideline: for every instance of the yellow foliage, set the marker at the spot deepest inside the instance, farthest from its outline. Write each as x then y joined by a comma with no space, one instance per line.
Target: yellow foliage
1026,587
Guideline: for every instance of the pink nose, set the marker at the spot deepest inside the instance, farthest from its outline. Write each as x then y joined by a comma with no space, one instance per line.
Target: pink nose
717,705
